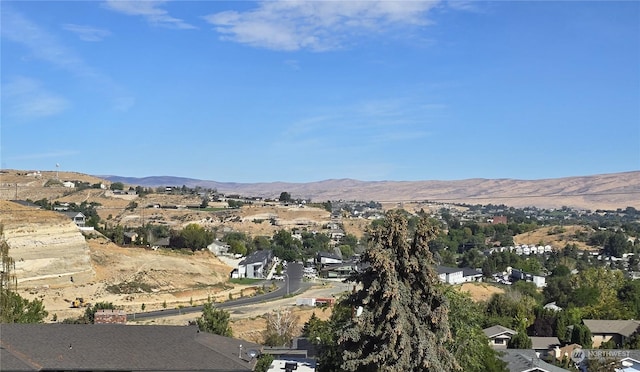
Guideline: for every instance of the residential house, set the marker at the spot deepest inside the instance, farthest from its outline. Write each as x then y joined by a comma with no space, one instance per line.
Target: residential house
527,360
161,243
118,347
254,265
630,364
338,270
471,275
565,352
77,217
326,258
68,184
544,345
450,275
300,357
539,281
219,248
499,336
130,237
616,330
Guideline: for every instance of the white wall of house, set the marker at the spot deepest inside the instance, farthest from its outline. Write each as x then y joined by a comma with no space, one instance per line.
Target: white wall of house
452,278
329,260
500,342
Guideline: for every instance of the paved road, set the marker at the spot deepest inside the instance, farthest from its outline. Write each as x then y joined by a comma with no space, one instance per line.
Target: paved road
292,284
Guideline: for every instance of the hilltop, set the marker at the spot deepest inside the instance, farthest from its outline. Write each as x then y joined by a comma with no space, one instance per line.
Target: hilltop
605,191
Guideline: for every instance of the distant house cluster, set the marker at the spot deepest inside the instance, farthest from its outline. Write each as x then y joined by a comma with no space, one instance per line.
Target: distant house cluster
523,249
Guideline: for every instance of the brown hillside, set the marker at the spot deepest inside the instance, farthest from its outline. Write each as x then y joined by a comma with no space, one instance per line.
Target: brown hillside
557,237
605,191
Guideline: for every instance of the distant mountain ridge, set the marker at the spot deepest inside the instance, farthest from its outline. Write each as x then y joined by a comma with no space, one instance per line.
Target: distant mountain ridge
605,191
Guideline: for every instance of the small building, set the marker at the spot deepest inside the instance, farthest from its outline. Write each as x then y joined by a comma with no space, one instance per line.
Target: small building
161,243
450,275
68,184
565,352
327,258
499,336
539,281
527,360
617,331
130,237
544,345
77,217
338,270
218,248
254,265
471,275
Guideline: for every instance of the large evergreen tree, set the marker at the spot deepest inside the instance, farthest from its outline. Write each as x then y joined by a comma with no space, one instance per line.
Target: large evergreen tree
400,316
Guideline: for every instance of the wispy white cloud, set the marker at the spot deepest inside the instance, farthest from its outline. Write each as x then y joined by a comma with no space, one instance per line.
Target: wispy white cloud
87,33
44,155
25,98
465,5
317,25
363,125
293,64
43,45
150,10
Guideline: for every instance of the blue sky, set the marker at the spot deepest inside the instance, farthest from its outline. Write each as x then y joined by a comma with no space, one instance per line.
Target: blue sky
301,91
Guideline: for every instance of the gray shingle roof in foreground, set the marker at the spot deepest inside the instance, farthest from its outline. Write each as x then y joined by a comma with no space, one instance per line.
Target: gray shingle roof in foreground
521,360
117,347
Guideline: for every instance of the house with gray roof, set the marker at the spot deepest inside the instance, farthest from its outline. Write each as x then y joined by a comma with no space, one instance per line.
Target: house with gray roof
450,275
606,330
117,347
499,336
526,360
77,217
328,258
255,265
544,345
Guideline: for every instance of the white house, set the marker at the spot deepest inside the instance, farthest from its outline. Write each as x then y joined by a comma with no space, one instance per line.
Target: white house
451,275
326,258
78,218
254,265
68,184
218,248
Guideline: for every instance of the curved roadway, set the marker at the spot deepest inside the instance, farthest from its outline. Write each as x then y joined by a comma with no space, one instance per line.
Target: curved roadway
291,285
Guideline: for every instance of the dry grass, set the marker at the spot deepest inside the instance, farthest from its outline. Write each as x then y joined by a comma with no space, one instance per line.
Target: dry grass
549,235
480,291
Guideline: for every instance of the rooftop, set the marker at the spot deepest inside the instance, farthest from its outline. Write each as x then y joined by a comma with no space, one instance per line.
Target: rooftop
108,347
